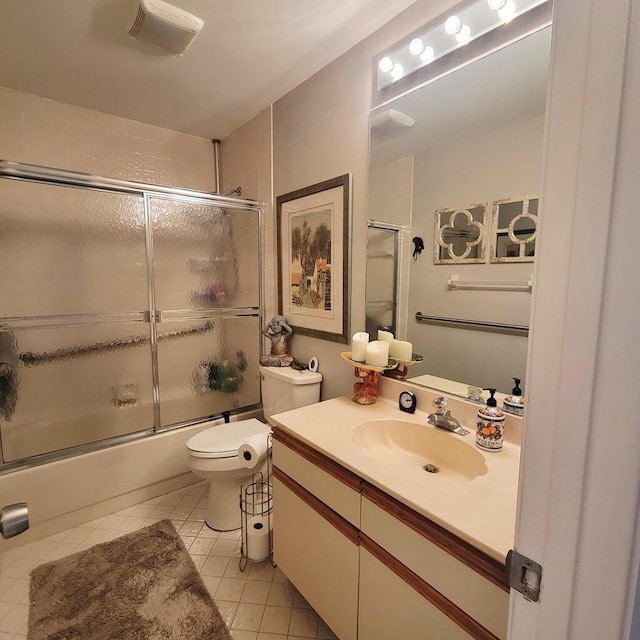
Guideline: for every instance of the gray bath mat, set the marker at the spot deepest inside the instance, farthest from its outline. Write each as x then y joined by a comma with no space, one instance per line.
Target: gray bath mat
142,586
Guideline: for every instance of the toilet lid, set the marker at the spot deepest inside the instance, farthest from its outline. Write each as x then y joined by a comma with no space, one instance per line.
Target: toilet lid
223,441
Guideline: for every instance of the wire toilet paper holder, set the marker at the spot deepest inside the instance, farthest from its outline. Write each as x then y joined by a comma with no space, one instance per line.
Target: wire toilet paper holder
256,502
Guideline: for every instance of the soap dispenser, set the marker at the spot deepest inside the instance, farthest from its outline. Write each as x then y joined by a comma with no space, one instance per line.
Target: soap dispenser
490,425
515,402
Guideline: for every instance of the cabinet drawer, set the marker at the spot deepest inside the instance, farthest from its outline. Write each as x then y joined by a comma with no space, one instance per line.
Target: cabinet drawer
390,608
319,560
479,597
338,488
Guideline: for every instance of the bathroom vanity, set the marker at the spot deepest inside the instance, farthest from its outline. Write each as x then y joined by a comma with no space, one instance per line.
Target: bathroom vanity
380,547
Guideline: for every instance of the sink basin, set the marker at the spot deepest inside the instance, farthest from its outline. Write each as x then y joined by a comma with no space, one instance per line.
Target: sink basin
403,443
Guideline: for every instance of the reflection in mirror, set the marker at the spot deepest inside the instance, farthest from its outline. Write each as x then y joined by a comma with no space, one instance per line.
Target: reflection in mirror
476,137
381,291
459,235
515,223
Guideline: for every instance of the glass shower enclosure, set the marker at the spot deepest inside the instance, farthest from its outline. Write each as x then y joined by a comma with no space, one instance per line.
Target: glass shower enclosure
125,309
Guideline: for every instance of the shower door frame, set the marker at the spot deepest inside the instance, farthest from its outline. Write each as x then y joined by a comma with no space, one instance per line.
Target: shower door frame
48,175
396,230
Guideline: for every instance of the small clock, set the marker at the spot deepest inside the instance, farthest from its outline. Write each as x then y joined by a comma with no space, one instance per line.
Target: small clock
407,402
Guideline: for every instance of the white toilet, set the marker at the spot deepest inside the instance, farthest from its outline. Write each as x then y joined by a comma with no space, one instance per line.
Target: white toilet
284,388
214,452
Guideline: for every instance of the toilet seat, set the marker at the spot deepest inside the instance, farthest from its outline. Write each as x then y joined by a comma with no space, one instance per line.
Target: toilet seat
223,441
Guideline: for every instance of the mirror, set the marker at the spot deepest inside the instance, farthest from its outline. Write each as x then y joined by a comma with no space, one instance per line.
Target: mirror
382,282
457,162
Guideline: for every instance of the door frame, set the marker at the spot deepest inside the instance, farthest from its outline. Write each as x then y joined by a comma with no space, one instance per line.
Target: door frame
579,480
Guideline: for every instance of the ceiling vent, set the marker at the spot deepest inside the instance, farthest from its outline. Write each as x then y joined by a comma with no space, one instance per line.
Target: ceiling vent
391,119
165,26
390,124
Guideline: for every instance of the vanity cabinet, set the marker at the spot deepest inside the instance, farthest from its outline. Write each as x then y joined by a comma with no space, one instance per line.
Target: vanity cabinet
389,607
463,583
372,567
315,535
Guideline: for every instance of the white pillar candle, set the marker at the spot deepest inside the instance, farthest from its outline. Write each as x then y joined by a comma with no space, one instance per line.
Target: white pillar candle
386,336
359,346
401,350
377,353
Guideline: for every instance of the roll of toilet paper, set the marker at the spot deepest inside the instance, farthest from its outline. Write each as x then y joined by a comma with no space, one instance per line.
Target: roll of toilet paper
253,449
258,538
313,364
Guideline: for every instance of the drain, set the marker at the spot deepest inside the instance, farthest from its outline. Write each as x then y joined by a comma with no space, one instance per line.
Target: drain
430,468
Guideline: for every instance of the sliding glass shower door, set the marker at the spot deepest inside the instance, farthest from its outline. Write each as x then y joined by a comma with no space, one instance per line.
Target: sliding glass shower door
205,280
122,312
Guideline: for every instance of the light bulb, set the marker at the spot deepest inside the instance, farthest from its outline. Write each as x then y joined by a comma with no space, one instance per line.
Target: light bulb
508,11
464,34
496,4
397,71
416,47
452,25
427,55
386,64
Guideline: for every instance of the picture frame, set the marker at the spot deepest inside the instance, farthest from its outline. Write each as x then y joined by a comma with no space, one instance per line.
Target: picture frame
514,229
313,228
460,234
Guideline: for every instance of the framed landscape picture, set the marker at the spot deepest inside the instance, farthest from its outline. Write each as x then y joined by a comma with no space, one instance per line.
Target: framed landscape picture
313,258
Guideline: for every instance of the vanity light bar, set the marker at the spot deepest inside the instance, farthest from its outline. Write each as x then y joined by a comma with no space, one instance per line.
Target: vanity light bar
467,24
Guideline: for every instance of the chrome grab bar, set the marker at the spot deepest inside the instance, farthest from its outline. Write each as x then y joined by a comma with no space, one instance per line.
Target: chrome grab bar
472,323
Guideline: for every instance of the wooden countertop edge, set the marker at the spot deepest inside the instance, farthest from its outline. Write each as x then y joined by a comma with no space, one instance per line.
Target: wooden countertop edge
319,459
346,528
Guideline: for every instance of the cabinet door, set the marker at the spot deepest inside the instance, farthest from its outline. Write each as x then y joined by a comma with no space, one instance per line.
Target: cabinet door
390,608
319,560
466,587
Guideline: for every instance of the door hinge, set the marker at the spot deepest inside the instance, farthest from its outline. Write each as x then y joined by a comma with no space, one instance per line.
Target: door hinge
524,575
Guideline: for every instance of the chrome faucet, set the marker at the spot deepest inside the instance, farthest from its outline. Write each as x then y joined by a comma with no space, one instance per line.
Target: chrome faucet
443,419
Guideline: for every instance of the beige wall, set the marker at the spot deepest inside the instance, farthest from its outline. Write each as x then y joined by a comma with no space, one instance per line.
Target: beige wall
53,134
321,130
247,162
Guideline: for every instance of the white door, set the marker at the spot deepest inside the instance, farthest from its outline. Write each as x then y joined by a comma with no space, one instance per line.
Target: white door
580,479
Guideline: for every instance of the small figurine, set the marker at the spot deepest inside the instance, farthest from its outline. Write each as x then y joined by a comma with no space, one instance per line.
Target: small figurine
366,391
277,331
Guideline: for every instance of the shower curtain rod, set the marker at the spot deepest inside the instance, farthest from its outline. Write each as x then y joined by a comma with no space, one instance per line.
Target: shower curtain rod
37,173
31,359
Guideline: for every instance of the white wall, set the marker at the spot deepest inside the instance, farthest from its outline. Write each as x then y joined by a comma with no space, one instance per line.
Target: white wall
579,479
500,164
321,130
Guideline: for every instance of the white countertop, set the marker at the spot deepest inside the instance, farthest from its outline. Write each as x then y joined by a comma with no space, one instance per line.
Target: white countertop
481,510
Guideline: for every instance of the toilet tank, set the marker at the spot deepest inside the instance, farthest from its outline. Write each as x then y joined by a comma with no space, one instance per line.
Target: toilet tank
284,388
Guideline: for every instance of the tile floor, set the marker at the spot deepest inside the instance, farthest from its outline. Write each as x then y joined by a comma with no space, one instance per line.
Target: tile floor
257,604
